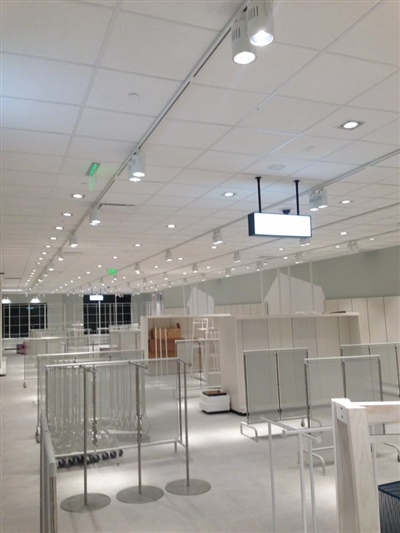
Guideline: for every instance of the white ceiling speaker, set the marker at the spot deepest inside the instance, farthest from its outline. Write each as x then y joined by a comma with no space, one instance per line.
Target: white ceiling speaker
243,52
260,25
137,166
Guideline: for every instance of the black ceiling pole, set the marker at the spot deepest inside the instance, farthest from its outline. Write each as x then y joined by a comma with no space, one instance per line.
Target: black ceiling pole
296,182
258,178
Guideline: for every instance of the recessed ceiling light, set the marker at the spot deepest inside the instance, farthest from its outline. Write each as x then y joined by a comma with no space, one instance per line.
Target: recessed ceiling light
59,228
229,194
180,258
208,267
48,246
337,246
280,249
137,245
77,195
285,257
66,214
53,238
44,253
99,266
213,246
371,239
350,125
115,256
170,226
88,272
155,266
345,202
343,233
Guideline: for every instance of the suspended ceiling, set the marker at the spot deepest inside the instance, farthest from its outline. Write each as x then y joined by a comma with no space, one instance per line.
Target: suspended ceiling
206,125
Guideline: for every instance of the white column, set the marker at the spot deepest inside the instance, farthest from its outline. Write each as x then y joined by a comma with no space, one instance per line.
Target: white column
2,371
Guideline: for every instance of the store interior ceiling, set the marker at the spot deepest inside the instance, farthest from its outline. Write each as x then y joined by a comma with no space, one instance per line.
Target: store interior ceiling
93,82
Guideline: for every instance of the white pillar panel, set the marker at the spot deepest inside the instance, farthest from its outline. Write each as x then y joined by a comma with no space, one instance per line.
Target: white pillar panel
345,304
305,334
392,315
360,306
376,320
331,306
327,337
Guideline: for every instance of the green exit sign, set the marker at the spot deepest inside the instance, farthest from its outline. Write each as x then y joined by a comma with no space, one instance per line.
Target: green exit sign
112,271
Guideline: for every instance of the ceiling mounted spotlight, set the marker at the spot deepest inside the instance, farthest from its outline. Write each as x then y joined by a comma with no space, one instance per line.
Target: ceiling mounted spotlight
305,241
259,266
73,243
94,217
236,257
35,300
137,268
165,276
203,277
168,256
227,272
243,52
185,280
50,268
6,300
260,26
298,258
318,199
136,166
195,268
217,237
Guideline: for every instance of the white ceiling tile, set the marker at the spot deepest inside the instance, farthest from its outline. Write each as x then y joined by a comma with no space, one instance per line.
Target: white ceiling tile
134,46
389,134
384,95
250,141
287,115
274,65
169,155
190,12
58,30
99,149
335,78
310,148
371,174
223,161
44,79
277,166
161,173
112,125
193,176
359,152
18,191
30,162
316,24
23,178
372,119
130,190
391,162
34,142
323,171
111,89
185,190
187,134
375,37
176,201
214,105
30,115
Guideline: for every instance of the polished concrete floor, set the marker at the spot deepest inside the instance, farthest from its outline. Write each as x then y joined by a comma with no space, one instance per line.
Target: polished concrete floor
235,466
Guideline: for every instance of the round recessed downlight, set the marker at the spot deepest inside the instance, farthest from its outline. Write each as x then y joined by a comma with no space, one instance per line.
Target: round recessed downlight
229,194
77,195
343,233
170,226
350,125
66,214
137,245
59,228
53,238
345,202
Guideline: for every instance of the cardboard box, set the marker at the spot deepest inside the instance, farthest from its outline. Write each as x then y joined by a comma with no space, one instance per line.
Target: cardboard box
174,333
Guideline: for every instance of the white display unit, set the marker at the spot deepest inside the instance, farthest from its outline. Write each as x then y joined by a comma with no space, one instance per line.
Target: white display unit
322,334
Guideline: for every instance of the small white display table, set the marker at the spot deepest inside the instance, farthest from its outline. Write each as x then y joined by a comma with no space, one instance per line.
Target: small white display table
214,402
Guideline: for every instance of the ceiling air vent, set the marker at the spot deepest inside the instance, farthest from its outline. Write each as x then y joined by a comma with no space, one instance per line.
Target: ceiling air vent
116,208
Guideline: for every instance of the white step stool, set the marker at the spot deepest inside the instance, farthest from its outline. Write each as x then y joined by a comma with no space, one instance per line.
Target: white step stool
214,401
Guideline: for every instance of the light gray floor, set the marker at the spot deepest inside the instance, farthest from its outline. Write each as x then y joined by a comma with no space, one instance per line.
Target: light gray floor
236,467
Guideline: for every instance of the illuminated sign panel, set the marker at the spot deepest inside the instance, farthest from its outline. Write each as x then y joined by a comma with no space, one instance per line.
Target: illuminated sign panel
96,297
275,225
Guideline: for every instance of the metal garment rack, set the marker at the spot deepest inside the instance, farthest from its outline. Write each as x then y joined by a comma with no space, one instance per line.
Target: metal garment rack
279,405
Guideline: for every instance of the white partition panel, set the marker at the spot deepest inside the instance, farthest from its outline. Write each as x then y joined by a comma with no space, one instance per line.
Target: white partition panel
360,306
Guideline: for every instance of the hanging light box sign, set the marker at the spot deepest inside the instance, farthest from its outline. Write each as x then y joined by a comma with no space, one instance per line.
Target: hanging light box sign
276,225
96,297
